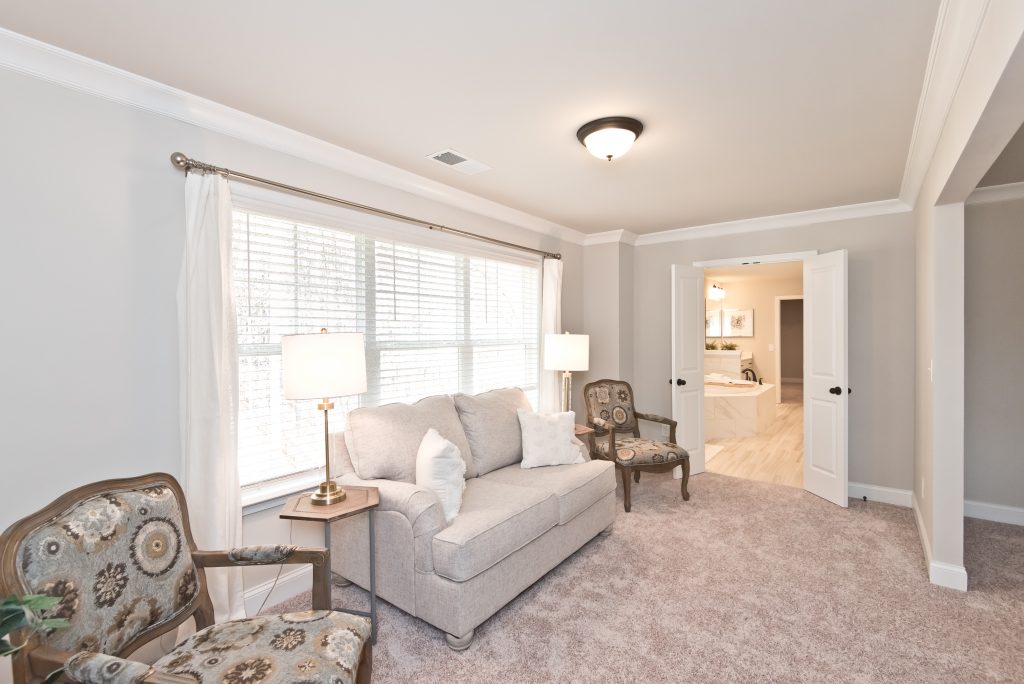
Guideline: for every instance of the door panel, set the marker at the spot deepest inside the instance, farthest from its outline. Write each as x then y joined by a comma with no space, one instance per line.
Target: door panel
688,362
826,380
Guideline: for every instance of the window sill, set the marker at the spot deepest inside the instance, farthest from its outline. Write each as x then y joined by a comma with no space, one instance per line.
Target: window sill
274,494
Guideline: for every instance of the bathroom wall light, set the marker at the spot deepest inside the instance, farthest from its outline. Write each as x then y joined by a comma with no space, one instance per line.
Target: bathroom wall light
609,137
716,293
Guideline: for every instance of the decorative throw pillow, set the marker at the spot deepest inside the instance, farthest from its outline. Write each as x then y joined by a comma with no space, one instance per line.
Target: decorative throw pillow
548,439
492,427
440,468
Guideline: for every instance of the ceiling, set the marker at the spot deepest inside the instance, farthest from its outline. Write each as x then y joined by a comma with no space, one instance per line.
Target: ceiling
751,108
776,271
1009,166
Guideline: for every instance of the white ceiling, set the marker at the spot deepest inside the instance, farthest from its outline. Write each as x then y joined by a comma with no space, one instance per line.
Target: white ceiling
1009,166
777,271
751,108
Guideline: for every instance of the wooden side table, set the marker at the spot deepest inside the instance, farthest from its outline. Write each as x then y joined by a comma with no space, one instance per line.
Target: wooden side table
357,500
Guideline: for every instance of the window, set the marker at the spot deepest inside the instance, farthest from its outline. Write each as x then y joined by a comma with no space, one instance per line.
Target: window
435,321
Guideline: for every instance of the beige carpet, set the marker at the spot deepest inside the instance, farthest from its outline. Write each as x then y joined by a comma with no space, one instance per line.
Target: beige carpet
747,582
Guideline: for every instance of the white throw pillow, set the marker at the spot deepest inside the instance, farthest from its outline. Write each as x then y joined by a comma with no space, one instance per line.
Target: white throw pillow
440,468
548,439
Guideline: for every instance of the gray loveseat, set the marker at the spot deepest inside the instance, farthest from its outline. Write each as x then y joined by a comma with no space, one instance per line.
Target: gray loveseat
514,526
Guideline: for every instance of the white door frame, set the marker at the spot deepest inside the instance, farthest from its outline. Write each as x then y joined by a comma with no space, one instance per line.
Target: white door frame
778,342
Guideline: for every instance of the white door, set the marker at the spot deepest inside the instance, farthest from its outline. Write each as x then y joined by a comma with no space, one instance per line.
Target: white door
688,362
826,382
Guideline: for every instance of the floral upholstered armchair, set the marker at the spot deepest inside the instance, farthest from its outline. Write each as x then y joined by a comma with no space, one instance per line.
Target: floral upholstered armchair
120,557
612,415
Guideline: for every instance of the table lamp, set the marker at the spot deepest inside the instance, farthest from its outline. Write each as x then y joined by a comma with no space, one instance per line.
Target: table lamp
566,353
322,366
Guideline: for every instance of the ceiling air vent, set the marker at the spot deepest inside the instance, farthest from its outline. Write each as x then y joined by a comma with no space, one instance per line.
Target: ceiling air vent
459,162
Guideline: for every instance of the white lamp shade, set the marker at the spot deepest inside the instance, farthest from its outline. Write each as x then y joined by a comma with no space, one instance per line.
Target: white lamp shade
566,352
323,365
609,143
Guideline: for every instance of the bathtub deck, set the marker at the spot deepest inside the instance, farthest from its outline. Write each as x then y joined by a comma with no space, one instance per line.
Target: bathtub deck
777,455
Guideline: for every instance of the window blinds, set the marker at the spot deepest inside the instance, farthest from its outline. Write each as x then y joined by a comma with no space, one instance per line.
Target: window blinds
435,322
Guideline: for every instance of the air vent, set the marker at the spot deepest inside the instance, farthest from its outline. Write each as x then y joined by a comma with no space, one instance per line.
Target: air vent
459,162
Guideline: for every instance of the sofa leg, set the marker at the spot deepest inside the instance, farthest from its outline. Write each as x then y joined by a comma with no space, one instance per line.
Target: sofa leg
606,531
460,643
339,581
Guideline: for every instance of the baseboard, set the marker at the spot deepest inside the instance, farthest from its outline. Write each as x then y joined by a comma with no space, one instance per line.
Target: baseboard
889,495
994,512
942,574
290,583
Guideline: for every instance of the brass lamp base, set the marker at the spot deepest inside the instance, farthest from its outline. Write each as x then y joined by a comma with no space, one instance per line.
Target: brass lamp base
328,493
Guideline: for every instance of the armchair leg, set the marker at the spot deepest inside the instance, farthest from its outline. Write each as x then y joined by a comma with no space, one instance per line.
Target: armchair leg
636,476
685,478
460,643
626,499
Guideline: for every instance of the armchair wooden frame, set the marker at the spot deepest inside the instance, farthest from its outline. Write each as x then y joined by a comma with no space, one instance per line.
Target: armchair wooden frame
604,429
35,661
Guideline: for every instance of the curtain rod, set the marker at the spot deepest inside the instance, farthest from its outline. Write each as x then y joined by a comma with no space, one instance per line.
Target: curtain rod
186,164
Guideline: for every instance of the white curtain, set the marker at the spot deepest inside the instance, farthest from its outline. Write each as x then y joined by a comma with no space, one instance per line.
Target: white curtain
550,389
208,348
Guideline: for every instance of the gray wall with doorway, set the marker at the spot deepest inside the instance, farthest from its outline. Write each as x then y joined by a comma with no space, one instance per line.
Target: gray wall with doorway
791,339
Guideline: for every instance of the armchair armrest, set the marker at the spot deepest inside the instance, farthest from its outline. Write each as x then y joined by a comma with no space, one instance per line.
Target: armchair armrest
97,668
655,418
275,555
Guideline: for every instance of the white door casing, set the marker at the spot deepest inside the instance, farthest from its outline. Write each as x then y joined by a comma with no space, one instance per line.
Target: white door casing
826,379
688,362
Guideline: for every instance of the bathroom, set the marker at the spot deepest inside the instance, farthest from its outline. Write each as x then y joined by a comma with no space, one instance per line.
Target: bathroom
753,372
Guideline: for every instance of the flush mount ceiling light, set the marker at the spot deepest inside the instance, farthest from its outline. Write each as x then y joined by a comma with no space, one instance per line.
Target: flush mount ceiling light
609,137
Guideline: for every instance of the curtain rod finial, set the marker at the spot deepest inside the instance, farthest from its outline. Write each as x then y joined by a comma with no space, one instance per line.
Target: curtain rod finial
179,160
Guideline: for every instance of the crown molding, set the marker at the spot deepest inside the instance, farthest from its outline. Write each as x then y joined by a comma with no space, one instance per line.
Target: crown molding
777,222
956,31
49,63
623,236
997,193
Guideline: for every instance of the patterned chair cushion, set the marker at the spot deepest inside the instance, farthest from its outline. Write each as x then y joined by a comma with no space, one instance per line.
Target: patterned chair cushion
638,451
312,646
612,401
120,564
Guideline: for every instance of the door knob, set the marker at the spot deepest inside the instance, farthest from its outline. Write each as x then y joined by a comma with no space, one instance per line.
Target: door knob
835,390
680,382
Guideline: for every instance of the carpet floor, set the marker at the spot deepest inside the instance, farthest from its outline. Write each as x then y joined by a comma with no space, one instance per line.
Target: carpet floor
746,582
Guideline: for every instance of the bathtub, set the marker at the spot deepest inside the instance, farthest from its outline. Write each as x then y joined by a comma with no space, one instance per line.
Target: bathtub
740,411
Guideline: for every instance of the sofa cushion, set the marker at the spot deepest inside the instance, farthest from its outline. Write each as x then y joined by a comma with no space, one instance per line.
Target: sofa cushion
385,439
492,426
577,487
496,520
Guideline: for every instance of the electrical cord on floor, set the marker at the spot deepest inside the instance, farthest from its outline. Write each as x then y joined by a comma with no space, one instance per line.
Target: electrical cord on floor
280,568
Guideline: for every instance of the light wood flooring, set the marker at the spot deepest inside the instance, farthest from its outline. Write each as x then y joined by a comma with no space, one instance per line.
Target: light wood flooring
776,455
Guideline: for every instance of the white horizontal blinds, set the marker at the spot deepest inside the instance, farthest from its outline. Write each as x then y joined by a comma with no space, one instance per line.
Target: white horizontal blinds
289,278
435,322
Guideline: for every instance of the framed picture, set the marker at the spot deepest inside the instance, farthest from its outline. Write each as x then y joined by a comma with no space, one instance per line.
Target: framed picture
712,324
738,323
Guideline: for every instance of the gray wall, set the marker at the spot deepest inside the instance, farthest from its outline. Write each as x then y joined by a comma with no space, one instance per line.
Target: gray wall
881,346
93,219
994,361
791,335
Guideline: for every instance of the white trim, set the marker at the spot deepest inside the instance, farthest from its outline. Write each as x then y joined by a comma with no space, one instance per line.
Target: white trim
948,55
40,60
996,193
1011,515
623,236
942,574
887,495
778,345
761,259
777,222
291,583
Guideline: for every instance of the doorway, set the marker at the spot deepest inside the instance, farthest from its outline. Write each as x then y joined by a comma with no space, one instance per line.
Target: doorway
753,372
824,406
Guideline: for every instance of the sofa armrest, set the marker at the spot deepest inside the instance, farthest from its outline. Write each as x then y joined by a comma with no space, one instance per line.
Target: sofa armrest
419,505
